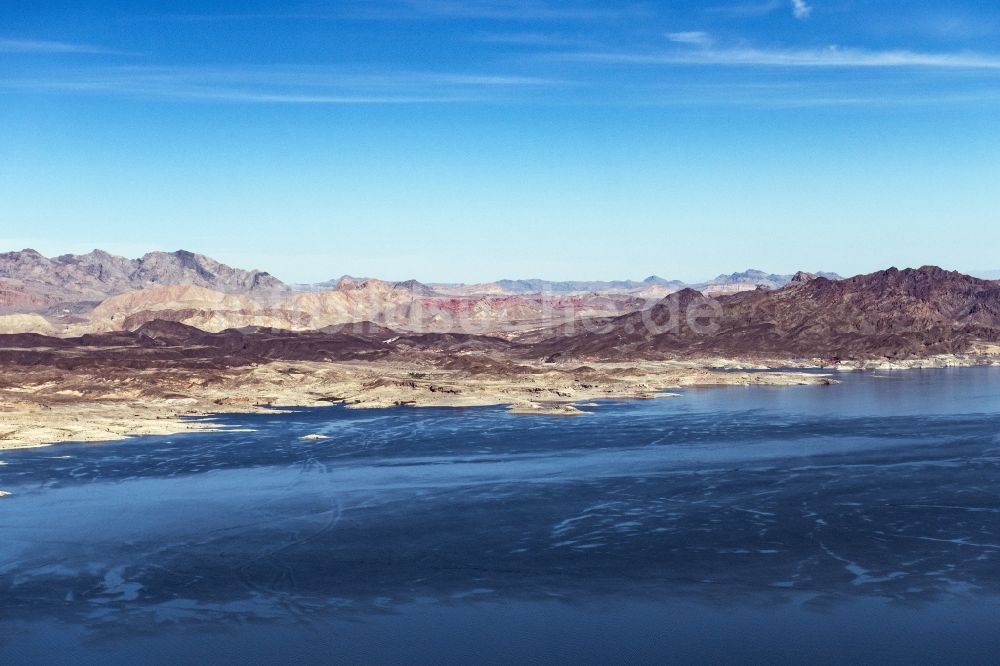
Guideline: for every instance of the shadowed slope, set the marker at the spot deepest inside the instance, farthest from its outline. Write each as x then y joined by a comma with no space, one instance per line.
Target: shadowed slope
892,314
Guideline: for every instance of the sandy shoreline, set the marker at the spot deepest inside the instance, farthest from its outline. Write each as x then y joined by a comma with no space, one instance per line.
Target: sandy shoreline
41,405
45,407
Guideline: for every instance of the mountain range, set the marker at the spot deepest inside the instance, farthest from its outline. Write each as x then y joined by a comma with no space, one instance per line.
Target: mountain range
98,291
31,280
891,314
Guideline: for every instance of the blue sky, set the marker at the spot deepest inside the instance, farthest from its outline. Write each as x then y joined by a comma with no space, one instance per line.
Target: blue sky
479,139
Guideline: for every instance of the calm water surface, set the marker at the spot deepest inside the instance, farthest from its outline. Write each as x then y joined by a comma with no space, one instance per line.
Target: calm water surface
856,522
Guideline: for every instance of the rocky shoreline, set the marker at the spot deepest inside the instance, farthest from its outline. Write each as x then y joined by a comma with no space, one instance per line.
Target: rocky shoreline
92,406
42,405
165,377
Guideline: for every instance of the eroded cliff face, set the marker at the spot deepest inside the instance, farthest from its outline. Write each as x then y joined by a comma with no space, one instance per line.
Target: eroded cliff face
15,300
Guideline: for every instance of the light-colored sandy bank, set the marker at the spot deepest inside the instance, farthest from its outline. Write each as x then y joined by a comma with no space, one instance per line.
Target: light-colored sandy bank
44,406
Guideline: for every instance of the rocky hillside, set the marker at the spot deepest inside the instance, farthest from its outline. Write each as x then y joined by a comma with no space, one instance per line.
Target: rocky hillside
404,306
30,281
892,314
166,344
19,300
97,292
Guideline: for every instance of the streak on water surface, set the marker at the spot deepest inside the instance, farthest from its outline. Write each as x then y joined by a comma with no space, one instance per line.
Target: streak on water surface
729,523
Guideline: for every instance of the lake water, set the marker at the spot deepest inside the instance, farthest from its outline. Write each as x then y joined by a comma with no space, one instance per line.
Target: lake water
838,524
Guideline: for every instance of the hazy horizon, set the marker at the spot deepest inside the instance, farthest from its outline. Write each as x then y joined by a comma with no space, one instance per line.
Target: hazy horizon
988,274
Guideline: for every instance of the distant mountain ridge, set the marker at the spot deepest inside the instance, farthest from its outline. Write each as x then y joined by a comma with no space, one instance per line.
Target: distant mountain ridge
99,292
571,286
30,279
891,314
743,281
749,280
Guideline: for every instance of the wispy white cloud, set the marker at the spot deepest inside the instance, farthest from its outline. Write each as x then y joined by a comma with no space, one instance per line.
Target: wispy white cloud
286,85
479,9
36,46
801,9
696,38
530,39
498,10
514,9
748,9
785,99
830,57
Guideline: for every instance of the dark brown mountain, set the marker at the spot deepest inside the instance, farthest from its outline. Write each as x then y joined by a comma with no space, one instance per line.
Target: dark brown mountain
169,344
891,314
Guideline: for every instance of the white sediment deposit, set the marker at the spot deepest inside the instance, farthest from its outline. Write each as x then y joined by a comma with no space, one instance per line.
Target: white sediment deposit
42,406
545,409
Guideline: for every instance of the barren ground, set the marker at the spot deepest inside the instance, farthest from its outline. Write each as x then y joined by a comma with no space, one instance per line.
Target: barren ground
40,405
